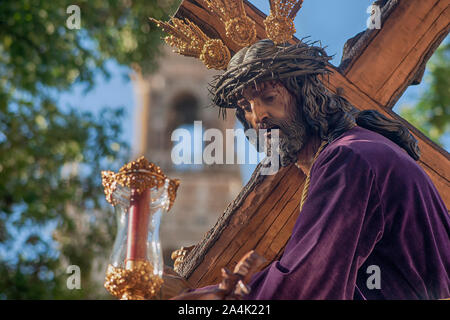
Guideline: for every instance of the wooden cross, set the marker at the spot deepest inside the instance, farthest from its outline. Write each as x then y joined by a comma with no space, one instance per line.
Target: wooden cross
377,67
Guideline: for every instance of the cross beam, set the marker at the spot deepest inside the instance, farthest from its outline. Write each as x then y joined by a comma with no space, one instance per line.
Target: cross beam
376,69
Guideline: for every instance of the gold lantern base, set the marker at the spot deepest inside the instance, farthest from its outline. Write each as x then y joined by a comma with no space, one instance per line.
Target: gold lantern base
135,282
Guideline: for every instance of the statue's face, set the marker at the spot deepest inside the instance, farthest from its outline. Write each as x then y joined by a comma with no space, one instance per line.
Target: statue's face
271,106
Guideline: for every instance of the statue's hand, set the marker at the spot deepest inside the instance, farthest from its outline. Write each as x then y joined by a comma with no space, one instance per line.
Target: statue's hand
233,285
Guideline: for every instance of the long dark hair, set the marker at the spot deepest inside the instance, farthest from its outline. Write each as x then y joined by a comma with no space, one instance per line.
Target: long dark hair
302,68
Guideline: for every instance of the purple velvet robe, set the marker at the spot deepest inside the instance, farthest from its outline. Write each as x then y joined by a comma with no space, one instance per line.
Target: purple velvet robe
369,204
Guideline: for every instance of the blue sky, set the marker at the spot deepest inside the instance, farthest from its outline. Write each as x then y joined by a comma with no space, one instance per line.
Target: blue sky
330,21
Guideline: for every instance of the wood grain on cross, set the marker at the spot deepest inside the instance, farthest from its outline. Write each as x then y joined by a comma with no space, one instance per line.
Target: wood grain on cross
376,68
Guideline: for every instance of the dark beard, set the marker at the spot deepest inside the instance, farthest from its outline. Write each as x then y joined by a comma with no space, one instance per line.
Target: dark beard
292,136
291,143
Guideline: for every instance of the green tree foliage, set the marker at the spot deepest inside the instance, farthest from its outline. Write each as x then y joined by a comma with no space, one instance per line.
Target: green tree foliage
432,113
51,155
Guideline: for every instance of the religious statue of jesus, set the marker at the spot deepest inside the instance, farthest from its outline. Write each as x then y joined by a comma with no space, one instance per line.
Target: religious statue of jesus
367,206
368,202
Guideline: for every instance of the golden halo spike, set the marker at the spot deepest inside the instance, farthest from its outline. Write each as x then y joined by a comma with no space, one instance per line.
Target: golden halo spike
191,41
280,23
238,26
188,40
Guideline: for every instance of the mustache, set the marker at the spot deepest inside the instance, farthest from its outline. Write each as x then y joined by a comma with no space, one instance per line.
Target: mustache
285,125
288,126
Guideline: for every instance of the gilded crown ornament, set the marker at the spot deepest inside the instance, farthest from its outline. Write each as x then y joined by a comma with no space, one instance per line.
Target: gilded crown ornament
137,283
138,175
191,41
239,28
280,23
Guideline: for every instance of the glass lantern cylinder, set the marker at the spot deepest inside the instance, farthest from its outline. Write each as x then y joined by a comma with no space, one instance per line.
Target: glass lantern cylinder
141,194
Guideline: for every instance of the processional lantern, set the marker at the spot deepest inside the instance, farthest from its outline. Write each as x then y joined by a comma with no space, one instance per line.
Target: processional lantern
140,194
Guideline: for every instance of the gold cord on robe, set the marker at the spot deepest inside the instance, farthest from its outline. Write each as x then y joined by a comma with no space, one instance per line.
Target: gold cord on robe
308,175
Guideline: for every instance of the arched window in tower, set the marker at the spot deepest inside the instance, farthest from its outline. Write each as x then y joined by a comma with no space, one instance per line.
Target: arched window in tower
186,133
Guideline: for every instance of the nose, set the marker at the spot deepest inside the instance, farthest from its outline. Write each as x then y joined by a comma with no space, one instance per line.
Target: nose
260,113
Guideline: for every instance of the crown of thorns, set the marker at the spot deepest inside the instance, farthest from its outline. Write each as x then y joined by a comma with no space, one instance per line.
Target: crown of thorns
275,62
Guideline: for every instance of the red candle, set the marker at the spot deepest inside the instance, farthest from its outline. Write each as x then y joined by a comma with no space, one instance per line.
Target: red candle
138,219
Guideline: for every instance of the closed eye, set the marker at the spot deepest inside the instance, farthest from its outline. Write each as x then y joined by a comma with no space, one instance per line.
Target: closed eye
269,99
